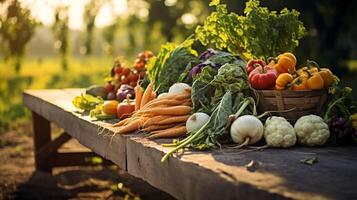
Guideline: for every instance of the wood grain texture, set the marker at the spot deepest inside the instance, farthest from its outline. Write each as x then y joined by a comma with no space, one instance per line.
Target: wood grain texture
217,174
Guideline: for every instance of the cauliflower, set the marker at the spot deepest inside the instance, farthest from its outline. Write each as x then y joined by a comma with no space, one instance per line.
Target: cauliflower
278,132
311,130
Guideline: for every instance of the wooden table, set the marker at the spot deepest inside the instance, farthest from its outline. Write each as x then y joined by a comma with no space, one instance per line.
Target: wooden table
218,174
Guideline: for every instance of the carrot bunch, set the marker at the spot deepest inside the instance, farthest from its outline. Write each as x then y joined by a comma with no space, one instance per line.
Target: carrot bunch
163,117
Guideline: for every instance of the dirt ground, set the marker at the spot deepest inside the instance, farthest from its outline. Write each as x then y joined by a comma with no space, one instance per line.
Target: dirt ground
19,180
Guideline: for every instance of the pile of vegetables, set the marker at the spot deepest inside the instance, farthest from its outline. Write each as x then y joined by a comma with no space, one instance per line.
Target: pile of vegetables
208,98
162,117
281,74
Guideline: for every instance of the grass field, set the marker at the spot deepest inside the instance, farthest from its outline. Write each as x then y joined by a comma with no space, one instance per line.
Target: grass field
40,74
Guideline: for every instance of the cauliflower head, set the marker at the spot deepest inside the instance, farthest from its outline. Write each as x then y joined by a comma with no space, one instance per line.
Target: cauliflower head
311,130
278,132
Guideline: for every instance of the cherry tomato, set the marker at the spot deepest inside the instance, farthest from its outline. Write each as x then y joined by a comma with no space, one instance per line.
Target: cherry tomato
125,80
132,83
142,74
118,69
109,87
133,77
125,71
148,54
139,65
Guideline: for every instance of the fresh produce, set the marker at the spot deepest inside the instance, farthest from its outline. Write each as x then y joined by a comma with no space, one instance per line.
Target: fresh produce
175,131
99,114
314,81
159,114
124,91
247,129
97,91
284,63
86,102
138,95
210,86
300,83
147,95
212,58
325,74
311,130
258,33
254,63
164,69
278,132
340,114
283,81
110,107
163,95
263,77
178,88
196,121
125,108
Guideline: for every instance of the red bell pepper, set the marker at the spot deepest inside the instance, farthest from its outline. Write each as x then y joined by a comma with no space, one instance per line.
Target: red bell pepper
263,77
253,63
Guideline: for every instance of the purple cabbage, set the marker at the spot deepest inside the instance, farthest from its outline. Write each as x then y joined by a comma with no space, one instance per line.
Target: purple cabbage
343,131
197,69
124,90
206,54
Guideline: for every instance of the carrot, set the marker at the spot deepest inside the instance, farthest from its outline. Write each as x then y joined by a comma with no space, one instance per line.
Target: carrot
154,120
174,110
147,94
174,119
183,96
153,96
169,133
132,126
156,127
138,96
122,122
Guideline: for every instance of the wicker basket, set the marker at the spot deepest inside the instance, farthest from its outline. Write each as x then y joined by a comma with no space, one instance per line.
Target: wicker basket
302,102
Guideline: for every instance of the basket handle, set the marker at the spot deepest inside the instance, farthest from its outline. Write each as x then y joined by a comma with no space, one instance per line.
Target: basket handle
279,100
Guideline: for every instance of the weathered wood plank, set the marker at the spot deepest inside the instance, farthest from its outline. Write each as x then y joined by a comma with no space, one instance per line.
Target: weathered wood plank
56,106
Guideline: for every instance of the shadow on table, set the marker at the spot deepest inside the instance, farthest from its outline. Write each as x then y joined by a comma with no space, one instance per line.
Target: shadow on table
86,182
334,172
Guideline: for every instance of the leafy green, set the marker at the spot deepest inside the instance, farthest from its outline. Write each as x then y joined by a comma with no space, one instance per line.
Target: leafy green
258,33
86,102
210,85
171,61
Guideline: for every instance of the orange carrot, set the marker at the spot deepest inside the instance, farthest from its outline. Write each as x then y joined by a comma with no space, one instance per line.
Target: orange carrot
174,119
131,127
147,94
174,110
156,127
138,96
169,133
153,96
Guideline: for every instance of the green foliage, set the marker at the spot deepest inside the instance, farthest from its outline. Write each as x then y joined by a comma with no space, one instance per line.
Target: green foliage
165,69
91,10
17,27
108,36
61,32
86,102
258,33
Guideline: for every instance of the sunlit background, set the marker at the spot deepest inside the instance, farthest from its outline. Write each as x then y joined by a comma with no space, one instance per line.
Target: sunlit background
72,43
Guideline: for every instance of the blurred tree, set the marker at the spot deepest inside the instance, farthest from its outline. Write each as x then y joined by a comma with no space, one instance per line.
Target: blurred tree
17,27
91,10
61,32
109,37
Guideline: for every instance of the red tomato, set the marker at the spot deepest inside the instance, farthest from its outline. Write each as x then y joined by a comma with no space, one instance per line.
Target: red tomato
109,87
125,108
125,71
132,83
118,69
133,77
262,78
142,74
125,79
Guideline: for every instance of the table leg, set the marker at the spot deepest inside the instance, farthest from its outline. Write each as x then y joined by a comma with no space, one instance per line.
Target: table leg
42,137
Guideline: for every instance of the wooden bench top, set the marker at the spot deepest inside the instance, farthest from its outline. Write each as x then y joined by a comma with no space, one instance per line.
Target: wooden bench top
217,174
